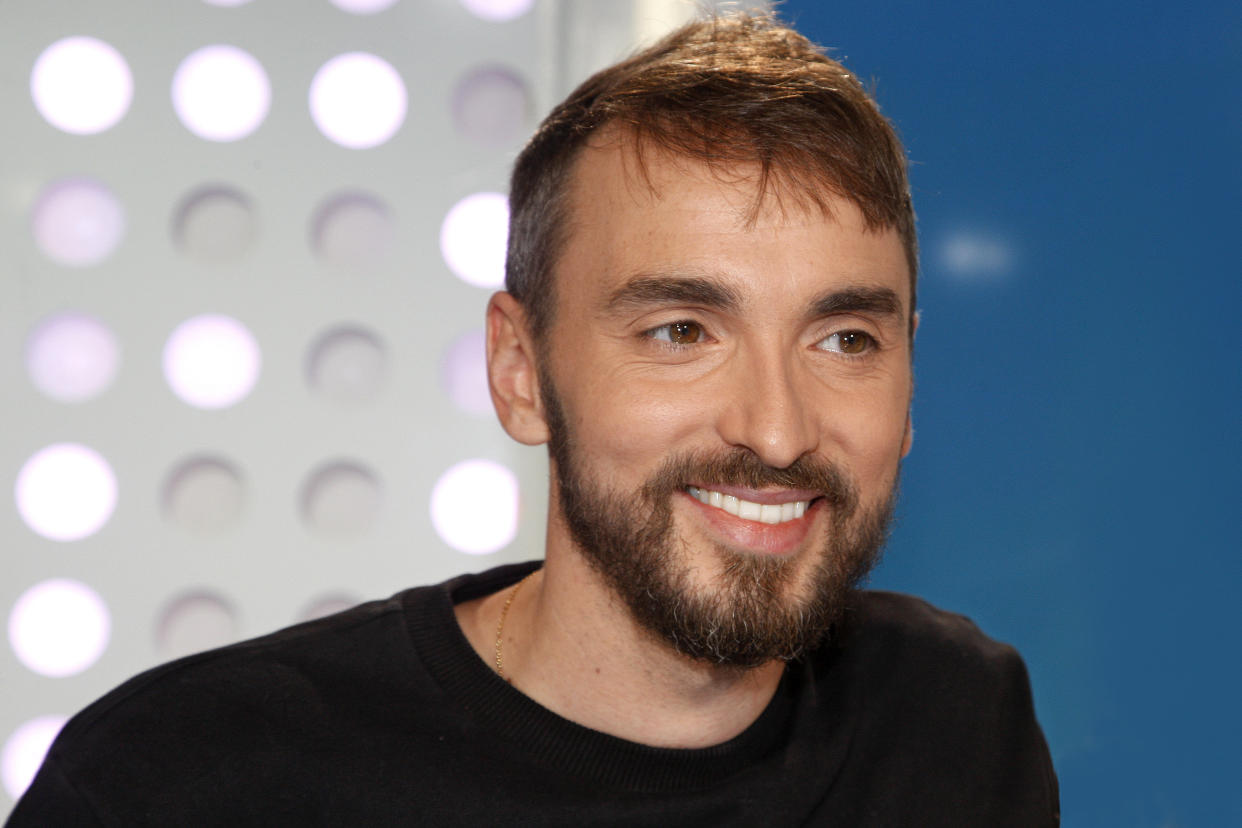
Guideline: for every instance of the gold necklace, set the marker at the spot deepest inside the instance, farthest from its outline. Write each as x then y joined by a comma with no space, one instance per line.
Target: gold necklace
500,628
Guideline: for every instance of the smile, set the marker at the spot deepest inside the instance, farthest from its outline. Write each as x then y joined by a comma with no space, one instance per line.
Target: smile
748,510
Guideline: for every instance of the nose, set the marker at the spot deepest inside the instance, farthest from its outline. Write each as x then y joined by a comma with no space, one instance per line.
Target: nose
767,409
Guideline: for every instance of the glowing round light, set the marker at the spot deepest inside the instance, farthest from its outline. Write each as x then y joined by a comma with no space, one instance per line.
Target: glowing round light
976,256
215,224
221,93
358,100
72,357
341,500
490,106
24,751
204,495
474,507
81,85
77,222
211,361
463,373
66,492
59,627
195,622
498,10
363,6
353,231
473,238
348,364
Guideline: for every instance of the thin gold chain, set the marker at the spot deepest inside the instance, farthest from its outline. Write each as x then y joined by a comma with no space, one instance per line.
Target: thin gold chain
500,628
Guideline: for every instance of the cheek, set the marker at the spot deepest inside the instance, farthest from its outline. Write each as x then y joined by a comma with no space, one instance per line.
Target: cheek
869,433
634,425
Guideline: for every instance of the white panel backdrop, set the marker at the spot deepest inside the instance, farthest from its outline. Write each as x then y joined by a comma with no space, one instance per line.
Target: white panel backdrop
314,489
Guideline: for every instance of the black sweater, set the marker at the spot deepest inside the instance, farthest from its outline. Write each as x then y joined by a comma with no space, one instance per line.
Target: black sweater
385,715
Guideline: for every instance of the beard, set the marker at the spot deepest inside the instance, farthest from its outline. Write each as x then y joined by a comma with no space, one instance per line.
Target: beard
758,608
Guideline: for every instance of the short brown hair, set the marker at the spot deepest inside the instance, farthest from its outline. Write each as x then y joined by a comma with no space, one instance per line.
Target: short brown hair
727,90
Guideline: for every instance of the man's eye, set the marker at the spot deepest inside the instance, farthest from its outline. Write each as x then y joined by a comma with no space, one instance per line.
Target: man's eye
852,343
679,333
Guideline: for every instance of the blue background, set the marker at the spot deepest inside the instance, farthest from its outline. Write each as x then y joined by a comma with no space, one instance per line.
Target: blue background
1079,398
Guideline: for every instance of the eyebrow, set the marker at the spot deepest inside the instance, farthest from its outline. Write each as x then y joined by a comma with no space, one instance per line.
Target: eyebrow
878,301
643,291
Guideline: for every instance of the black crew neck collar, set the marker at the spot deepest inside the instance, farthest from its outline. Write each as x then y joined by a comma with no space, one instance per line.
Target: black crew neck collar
552,739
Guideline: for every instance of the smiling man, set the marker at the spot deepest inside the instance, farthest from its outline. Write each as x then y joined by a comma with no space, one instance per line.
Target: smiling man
709,321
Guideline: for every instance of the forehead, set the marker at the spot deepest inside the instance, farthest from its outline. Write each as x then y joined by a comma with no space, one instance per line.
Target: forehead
635,208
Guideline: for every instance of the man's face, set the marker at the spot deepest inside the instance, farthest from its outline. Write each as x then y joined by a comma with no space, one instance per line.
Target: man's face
727,397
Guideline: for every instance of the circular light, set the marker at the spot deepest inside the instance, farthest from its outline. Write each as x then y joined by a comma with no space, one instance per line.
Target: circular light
341,500
221,93
358,100
473,238
59,627
72,357
974,256
353,231
490,106
77,222
204,495
211,361
498,10
474,507
348,364
24,751
81,85
363,6
215,224
463,373
193,623
66,492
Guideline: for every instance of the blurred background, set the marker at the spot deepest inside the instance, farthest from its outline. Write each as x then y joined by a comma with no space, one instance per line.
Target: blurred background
245,247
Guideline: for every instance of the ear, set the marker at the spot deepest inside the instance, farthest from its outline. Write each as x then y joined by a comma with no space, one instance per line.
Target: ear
512,371
907,439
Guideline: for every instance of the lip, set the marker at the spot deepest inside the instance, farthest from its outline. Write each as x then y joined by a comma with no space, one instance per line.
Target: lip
763,539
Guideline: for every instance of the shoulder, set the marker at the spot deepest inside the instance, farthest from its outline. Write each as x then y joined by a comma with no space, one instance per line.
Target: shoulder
225,718
935,705
904,623
283,660
923,659
359,653
292,722
908,634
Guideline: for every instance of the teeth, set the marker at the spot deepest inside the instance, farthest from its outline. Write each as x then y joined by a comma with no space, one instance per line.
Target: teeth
745,509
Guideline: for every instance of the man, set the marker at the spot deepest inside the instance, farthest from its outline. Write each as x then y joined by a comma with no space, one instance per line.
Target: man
709,320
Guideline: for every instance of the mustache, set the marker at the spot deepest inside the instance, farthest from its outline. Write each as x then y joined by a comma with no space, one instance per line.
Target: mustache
742,467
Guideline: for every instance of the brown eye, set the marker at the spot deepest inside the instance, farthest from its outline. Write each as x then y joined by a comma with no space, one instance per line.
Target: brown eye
684,333
679,333
853,343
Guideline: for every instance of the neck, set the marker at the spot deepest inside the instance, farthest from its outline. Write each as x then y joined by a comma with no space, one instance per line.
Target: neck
570,645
